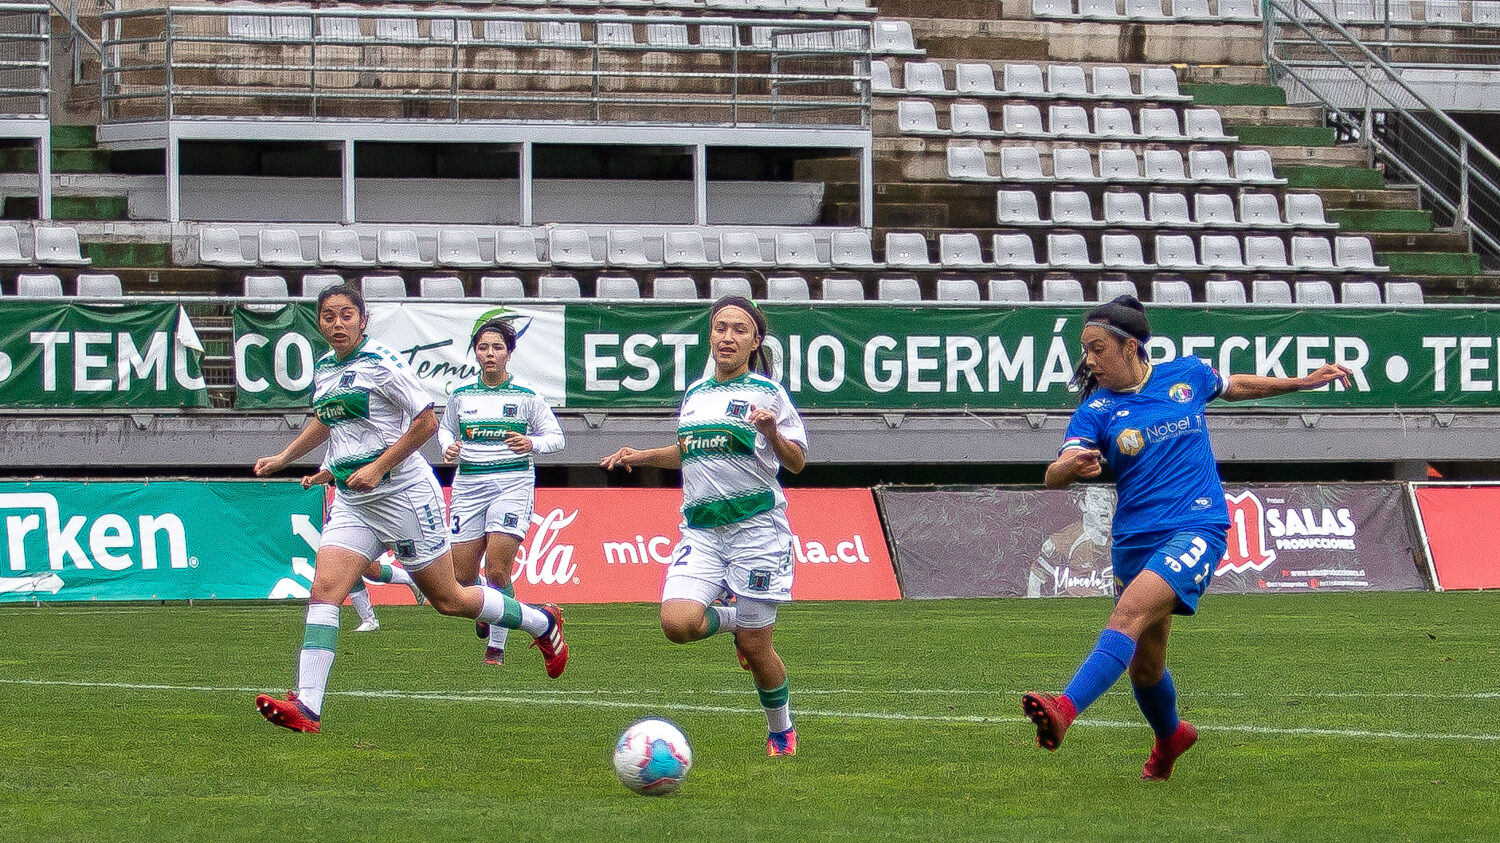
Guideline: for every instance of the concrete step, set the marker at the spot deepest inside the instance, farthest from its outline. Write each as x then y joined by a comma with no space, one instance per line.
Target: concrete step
1224,74
1430,263
89,208
1407,241
1348,155
1381,219
73,137
128,254
1217,93
1304,136
1268,116
1402,198
1352,178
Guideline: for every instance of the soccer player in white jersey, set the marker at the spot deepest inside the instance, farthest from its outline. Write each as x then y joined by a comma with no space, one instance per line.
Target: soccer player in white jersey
491,428
375,416
736,428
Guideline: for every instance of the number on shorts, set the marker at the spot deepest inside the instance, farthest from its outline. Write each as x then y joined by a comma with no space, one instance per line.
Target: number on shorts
455,523
1190,559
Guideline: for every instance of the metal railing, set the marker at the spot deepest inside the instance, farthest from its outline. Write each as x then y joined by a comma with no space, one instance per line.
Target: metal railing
353,63
1442,39
1367,101
25,30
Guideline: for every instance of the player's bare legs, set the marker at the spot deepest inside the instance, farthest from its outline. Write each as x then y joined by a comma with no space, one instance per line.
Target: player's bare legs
336,571
483,603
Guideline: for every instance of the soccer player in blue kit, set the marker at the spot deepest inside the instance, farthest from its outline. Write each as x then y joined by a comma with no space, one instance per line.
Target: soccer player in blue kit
1146,422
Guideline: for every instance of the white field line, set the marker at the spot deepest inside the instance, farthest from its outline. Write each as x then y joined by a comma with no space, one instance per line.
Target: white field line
595,700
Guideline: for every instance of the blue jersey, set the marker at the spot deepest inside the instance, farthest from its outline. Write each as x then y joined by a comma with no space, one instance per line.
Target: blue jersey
1156,443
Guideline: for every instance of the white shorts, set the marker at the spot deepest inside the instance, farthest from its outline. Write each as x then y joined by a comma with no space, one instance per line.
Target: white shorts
751,559
483,505
408,522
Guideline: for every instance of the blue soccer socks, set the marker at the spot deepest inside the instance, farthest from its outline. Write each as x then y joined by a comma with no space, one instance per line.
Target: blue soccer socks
1111,655
1159,704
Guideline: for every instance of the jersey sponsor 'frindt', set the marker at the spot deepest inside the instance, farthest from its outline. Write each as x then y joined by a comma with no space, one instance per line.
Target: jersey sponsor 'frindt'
367,401
729,469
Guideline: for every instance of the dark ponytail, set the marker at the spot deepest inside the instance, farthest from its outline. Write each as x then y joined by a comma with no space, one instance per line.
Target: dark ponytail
498,325
760,358
1125,317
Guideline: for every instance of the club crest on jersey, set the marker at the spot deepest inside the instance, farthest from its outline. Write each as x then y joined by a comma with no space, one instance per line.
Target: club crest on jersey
1181,393
737,408
347,379
510,410
1130,441
760,581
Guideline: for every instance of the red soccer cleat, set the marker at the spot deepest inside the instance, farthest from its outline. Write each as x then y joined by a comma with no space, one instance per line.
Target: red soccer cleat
288,713
494,655
1164,753
781,743
1052,716
554,648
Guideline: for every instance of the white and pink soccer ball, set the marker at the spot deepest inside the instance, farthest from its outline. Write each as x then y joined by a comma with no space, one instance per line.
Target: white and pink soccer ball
653,757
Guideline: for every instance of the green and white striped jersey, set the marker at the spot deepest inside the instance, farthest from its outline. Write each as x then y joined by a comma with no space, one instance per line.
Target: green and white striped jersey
368,401
478,417
728,468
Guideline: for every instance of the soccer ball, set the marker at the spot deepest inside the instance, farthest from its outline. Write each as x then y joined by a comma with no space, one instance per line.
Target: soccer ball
653,757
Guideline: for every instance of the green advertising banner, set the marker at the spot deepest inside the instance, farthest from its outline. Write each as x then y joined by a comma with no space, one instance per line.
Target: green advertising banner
62,354
274,352
834,357
171,540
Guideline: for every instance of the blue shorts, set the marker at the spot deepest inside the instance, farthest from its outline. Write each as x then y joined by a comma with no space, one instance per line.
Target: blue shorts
1186,559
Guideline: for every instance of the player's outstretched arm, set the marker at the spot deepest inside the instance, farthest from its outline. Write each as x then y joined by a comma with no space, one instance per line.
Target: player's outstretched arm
1251,387
1073,464
313,434
628,458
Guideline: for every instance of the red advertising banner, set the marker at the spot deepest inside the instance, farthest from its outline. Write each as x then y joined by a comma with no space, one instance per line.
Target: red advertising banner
613,546
1461,558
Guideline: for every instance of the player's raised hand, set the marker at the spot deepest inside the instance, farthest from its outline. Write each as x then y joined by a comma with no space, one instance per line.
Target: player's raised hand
518,442
365,479
322,478
268,465
1326,374
1084,462
623,458
764,421
450,453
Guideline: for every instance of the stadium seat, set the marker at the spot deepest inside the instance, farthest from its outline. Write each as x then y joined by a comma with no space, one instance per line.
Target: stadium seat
99,285
42,285
1167,291
1062,290
1169,209
1359,292
627,248
1072,207
382,287
1068,250
616,287
341,247
266,287
1052,9
787,288
1176,251
1008,290
561,33
1067,81
1072,165
571,247
1121,165
720,286
975,80
1163,166
216,247
892,36
314,283
1204,125
1220,251
1314,253
1122,251
459,248
741,249
1355,253
667,35
906,250
1403,293
501,287
685,248
1068,121
1160,84
1015,251
1110,288
1114,123
614,34
1124,209
960,251
969,119
957,289
721,36
558,287
441,287
895,289
397,29
1444,12
851,250
339,29
923,77
843,289
1021,163
1222,291
1017,207
282,247
880,77
1313,291
1270,291
1099,9
1215,210
57,245
797,250
1021,120
1112,82
1208,165
1023,80
1265,251
1305,210
674,287
967,163
1146,10
1159,124
1253,166
516,247
398,247
1260,210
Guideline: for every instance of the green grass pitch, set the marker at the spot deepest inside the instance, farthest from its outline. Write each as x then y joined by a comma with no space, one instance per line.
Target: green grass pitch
1323,717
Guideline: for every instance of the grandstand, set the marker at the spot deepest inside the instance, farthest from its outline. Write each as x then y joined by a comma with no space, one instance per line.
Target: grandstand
1210,155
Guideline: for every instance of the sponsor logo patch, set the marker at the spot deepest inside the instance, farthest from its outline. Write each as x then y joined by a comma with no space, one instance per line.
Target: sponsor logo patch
1130,441
1181,393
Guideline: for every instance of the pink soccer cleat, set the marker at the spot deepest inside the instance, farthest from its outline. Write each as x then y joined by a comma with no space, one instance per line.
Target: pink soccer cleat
1052,716
781,743
288,713
554,648
494,656
1164,753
